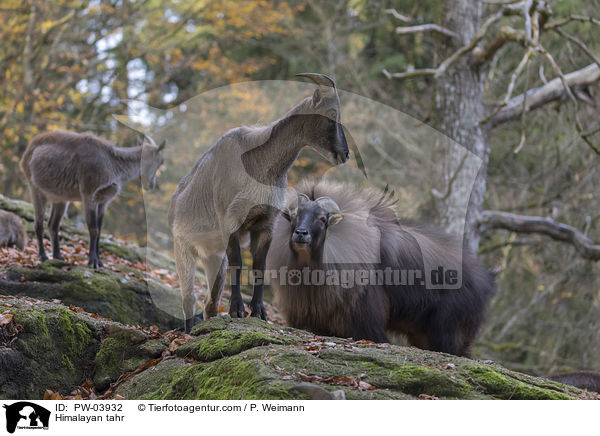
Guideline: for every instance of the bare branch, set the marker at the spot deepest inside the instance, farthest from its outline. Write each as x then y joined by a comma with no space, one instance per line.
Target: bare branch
587,248
425,27
511,86
459,168
470,46
443,67
561,76
409,74
591,132
542,76
547,93
523,112
398,15
568,91
555,24
505,35
579,43
500,2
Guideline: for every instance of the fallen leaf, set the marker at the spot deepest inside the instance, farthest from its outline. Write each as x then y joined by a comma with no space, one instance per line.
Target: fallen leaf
51,395
5,318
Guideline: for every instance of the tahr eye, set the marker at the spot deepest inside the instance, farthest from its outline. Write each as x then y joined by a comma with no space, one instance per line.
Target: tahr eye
323,219
332,113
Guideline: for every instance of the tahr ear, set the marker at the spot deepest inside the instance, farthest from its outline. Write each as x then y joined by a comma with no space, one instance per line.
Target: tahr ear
317,97
287,214
334,218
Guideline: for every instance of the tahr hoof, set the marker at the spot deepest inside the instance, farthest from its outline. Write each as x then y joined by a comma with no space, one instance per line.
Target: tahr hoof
189,323
210,311
258,310
236,308
58,257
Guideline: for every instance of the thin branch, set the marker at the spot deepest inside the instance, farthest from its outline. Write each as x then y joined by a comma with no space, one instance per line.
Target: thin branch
555,24
568,91
500,2
579,43
511,86
542,76
591,132
561,76
398,15
587,248
425,27
443,67
409,74
498,245
523,112
459,168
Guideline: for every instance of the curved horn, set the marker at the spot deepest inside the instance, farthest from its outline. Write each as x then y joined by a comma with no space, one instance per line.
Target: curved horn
150,140
296,202
328,204
326,83
302,198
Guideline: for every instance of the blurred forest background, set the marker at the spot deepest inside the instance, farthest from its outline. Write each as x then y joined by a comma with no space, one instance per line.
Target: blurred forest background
73,65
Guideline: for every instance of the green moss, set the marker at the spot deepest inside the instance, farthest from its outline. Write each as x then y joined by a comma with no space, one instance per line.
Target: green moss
503,386
210,325
39,325
38,338
124,350
154,381
222,343
416,380
82,337
76,335
67,363
56,345
109,357
230,378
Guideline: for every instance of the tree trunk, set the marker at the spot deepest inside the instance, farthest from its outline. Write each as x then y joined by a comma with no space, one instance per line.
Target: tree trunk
458,108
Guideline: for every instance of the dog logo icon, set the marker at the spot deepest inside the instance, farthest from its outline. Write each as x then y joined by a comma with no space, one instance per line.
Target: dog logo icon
26,415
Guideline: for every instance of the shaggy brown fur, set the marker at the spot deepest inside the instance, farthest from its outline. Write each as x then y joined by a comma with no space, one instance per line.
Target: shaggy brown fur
589,380
12,232
369,237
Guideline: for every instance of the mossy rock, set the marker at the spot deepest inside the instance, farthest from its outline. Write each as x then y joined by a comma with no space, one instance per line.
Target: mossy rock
107,293
54,350
124,350
232,359
153,380
49,346
225,338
